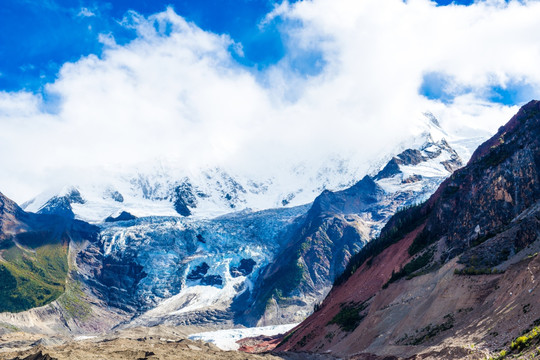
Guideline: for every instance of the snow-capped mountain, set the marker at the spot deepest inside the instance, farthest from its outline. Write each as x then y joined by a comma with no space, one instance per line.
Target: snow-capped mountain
166,190
211,246
338,225
197,270
204,194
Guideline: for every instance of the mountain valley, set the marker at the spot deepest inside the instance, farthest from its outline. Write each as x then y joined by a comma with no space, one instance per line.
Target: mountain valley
276,266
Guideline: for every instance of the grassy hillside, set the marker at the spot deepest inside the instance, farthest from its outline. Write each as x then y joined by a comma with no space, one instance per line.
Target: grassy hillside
32,276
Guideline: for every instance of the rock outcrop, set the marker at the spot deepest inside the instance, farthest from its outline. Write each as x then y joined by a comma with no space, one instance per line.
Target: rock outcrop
320,244
452,278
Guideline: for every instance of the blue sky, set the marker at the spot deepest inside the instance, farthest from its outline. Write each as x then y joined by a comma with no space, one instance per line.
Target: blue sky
250,85
38,36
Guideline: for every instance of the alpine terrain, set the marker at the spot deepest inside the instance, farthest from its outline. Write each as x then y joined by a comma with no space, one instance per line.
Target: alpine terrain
454,277
182,268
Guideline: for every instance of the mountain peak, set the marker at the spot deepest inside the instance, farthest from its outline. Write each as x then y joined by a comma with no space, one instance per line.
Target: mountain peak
406,288
525,121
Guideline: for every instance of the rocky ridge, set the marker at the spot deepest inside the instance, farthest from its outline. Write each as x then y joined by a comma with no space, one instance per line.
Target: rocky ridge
337,226
452,278
222,271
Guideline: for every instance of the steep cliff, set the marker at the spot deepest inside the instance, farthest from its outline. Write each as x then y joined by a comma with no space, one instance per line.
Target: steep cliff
452,278
320,244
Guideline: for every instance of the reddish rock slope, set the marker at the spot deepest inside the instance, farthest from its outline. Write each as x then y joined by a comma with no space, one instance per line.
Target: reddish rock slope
460,283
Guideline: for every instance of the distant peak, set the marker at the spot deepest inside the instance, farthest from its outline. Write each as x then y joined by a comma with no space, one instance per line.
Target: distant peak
432,119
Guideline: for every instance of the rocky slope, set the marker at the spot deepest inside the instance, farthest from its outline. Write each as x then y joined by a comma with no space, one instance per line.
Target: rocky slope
338,225
452,278
250,268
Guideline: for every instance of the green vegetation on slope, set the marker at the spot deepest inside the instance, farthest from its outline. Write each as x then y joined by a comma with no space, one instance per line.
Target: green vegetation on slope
32,277
73,301
280,284
284,285
429,332
521,344
477,271
350,316
411,267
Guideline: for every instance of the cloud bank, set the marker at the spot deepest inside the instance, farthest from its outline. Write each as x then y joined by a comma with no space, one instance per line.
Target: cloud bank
176,94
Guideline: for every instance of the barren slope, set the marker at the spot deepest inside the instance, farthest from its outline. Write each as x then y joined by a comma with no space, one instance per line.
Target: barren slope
463,283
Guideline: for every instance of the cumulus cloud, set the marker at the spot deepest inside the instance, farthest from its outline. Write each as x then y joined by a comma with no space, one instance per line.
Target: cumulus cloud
176,93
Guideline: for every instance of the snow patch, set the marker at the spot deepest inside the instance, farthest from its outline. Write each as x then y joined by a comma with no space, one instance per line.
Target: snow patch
226,339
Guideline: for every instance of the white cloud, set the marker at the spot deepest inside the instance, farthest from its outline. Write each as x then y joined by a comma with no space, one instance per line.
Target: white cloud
176,93
86,12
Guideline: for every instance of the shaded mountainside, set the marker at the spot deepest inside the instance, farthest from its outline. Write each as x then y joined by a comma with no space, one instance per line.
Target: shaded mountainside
338,225
321,242
34,256
41,288
452,278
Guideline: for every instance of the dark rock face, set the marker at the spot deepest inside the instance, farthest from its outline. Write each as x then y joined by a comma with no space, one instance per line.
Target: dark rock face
198,272
454,162
121,277
212,280
349,201
411,157
288,199
9,212
58,205
245,268
490,250
181,207
184,198
124,216
483,220
412,179
391,169
500,182
61,205
116,196
74,197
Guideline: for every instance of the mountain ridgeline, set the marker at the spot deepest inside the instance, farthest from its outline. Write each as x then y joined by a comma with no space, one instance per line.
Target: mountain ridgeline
455,270
242,268
338,225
